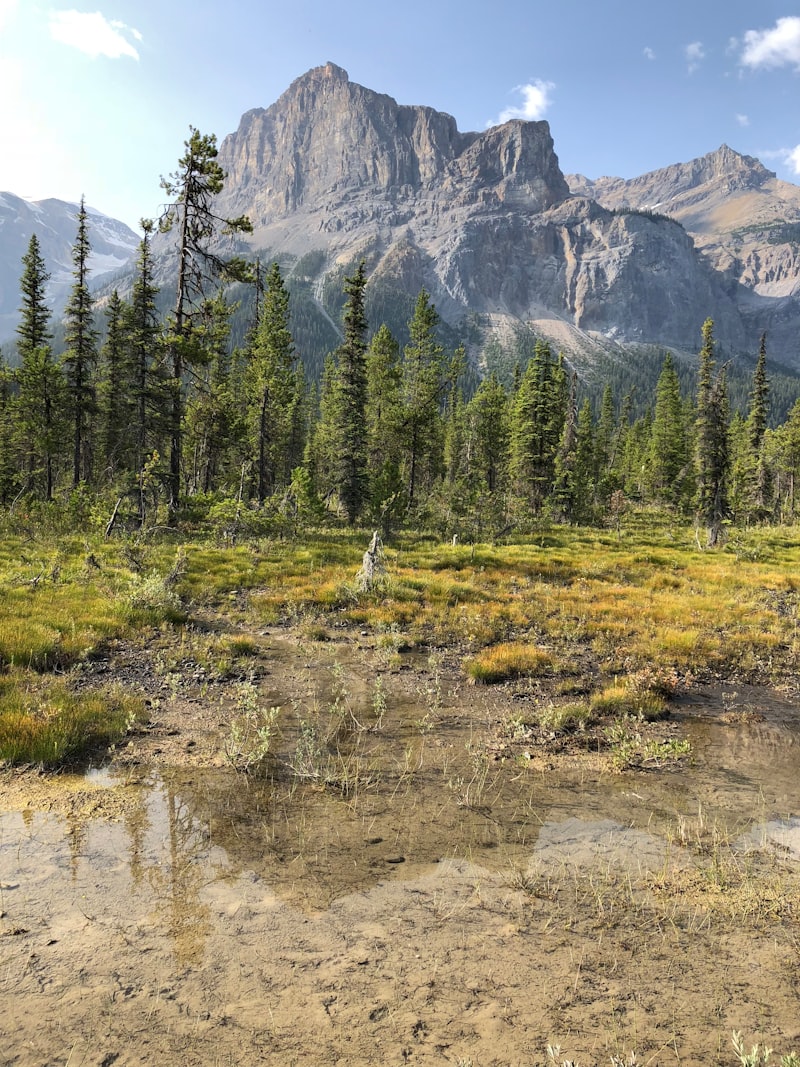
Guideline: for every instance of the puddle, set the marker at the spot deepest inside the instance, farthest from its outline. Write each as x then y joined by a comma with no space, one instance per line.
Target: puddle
456,913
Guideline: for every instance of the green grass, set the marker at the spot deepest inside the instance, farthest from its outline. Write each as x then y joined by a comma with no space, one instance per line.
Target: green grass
47,724
507,661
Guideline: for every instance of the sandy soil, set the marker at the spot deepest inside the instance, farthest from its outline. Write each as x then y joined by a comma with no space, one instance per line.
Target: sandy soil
468,908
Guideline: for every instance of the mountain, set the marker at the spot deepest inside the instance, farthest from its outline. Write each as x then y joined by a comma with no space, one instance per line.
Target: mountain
742,218
55,224
486,221
610,271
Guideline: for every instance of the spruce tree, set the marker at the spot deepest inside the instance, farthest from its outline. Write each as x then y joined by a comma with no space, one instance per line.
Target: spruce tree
759,474
668,461
81,355
713,455
349,413
270,385
488,413
34,328
150,395
384,427
113,389
38,379
422,386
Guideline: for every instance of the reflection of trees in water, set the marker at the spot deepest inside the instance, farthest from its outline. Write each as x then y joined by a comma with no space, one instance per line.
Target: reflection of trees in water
76,835
313,845
179,880
137,823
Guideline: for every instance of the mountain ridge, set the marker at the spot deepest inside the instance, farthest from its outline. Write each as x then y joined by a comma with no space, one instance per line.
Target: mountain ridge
486,221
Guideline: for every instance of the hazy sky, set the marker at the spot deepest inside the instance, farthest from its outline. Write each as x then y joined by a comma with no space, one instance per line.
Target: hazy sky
98,98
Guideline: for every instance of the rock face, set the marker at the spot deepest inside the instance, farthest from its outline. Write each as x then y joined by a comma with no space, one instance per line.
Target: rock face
55,224
485,221
743,219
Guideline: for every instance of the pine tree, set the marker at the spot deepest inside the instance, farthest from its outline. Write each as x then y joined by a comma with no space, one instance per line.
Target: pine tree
422,386
81,355
713,457
113,388
270,385
668,460
34,328
384,428
38,379
193,187
349,416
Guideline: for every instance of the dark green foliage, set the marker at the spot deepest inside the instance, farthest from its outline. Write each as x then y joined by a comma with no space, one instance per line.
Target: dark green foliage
713,453
34,328
538,414
270,389
349,419
669,467
81,356
422,390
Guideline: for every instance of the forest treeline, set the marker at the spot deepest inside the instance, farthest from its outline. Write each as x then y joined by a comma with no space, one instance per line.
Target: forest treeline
166,417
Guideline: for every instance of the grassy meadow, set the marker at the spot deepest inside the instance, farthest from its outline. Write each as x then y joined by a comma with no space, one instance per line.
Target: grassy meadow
621,618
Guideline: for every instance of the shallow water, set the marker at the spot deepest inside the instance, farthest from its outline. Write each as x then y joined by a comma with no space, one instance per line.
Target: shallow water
214,896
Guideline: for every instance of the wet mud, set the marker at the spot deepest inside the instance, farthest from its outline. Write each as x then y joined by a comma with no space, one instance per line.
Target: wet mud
442,901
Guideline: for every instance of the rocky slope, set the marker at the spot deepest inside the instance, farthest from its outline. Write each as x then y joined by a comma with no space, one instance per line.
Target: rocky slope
743,219
485,221
54,221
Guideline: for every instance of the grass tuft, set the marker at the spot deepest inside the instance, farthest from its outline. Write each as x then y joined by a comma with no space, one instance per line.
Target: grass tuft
507,661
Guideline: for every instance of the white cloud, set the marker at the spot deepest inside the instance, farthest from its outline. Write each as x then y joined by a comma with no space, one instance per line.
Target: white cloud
775,47
649,53
93,34
743,120
793,159
535,102
695,53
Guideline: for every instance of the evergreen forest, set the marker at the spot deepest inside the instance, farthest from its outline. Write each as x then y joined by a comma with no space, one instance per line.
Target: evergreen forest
145,418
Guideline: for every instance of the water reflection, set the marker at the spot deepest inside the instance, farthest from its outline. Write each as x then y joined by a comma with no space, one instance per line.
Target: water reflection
188,833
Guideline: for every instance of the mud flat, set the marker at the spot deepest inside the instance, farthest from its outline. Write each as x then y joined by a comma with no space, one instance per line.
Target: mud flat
466,896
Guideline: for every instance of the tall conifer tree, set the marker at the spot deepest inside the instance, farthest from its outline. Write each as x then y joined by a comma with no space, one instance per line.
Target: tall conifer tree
81,355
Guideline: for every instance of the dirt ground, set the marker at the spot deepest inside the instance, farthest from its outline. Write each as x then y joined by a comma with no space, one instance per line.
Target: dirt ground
470,898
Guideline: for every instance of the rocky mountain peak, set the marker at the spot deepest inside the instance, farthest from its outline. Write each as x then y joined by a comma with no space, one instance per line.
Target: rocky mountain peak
329,144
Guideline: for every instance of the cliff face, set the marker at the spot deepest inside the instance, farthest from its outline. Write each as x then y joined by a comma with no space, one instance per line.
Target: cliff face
327,140
744,221
485,221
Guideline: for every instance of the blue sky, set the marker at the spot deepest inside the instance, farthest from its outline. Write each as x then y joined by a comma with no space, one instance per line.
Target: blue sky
98,97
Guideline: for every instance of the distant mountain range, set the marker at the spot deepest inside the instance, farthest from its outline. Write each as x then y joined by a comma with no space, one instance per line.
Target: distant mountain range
55,224
487,222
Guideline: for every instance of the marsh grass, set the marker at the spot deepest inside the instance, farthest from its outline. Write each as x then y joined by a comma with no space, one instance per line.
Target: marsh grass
507,661
43,722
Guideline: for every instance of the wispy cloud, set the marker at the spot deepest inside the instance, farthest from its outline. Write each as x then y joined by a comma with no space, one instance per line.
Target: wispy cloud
773,48
536,99
7,9
743,120
695,53
649,53
793,159
93,34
